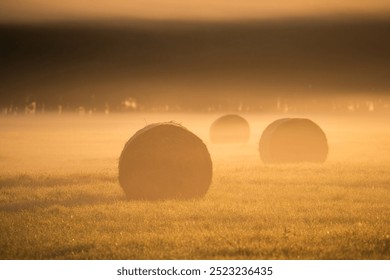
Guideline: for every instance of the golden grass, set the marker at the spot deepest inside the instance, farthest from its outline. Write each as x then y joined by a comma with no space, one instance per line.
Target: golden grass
70,206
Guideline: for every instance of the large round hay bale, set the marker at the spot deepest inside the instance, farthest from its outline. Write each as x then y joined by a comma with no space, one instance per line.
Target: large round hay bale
230,129
293,140
165,161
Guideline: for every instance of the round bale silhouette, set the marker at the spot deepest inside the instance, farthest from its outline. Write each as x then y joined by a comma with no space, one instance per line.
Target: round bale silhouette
292,141
165,161
230,129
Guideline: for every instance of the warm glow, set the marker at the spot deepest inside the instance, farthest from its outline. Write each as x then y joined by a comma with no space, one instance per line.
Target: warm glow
42,10
225,129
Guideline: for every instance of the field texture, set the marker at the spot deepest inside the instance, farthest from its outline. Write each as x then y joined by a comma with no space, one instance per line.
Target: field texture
60,197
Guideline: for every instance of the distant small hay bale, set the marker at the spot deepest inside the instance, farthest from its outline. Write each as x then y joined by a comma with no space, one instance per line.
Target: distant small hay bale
165,161
293,140
230,129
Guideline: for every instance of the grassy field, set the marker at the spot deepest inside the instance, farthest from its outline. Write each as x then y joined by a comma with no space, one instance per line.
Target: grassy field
60,198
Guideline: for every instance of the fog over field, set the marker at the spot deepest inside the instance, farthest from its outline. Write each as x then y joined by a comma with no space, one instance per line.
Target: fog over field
79,78
58,143
60,197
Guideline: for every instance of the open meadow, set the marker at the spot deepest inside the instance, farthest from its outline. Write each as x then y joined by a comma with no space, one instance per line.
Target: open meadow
60,197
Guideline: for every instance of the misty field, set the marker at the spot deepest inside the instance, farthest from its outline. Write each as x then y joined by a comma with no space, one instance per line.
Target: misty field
60,197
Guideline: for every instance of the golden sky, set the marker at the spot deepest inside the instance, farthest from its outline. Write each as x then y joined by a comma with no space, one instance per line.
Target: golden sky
47,10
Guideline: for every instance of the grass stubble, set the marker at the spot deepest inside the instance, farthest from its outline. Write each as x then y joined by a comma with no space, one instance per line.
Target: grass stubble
337,210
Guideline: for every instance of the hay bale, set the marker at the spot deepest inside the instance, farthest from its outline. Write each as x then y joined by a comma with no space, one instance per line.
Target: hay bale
293,140
230,129
165,161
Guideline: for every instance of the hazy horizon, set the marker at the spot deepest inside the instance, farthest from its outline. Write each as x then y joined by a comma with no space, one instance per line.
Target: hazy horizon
193,55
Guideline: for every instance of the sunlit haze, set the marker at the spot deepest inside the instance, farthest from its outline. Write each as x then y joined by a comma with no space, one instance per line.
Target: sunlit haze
44,10
209,129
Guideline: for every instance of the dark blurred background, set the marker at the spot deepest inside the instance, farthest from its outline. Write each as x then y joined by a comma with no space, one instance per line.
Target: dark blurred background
194,65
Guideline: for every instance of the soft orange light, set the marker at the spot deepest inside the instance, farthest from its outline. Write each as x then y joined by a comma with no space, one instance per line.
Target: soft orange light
42,10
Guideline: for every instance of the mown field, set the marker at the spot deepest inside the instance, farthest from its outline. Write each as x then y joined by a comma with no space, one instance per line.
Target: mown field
60,198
